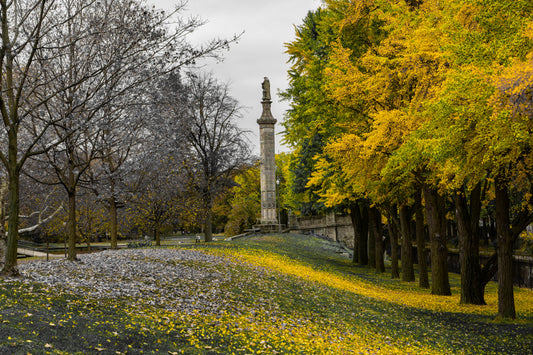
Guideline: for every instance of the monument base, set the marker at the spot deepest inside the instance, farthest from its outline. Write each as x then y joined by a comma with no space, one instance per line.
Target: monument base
269,227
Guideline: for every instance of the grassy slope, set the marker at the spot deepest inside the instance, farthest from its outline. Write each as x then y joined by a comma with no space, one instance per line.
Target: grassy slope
288,294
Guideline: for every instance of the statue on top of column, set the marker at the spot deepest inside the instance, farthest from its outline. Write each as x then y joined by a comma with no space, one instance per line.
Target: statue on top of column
266,89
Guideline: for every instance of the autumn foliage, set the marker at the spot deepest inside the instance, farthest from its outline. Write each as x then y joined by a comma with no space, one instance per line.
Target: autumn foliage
421,100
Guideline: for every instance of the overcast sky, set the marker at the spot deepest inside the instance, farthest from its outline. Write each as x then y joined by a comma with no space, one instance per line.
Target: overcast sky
267,25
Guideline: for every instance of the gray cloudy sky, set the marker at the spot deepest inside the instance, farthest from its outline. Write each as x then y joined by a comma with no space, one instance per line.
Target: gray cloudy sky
267,25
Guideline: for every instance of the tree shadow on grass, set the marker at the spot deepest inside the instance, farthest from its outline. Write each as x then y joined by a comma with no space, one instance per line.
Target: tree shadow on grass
461,332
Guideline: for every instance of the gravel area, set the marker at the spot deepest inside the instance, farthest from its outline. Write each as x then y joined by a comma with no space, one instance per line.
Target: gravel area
185,280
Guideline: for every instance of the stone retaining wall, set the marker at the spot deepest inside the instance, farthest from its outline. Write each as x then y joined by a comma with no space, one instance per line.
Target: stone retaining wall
335,227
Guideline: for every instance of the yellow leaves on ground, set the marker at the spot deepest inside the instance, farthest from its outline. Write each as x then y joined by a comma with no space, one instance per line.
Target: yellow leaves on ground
287,294
528,31
411,298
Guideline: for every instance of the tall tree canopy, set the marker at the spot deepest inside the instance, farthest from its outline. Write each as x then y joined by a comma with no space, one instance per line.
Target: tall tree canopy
422,96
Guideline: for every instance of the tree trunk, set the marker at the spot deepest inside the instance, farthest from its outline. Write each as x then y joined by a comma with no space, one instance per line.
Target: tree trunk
10,266
375,230
506,307
71,253
3,243
393,230
355,216
3,246
208,227
157,232
491,231
88,242
472,289
363,237
359,216
436,217
113,222
371,241
408,272
3,233
520,222
423,279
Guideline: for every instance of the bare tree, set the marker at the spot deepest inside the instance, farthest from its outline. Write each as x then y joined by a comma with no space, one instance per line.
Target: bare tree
217,146
127,120
115,49
153,172
157,201
25,28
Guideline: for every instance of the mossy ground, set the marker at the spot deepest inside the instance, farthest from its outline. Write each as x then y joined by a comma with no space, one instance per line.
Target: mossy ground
288,294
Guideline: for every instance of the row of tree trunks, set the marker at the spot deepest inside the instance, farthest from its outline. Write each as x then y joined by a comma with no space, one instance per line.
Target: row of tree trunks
369,244
474,276
472,285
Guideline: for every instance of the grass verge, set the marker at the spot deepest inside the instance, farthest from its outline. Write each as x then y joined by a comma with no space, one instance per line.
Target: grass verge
287,294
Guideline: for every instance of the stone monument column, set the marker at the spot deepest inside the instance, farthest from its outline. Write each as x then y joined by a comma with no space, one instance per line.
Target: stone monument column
268,156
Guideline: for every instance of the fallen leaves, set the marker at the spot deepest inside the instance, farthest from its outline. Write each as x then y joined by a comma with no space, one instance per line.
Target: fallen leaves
234,298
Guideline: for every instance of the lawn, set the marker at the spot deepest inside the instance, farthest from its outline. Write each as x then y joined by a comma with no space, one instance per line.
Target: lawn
286,294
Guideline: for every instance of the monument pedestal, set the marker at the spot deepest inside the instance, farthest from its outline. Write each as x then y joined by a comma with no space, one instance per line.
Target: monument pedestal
270,228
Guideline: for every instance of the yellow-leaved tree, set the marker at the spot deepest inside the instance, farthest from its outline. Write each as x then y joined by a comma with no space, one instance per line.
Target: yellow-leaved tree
425,103
389,82
246,201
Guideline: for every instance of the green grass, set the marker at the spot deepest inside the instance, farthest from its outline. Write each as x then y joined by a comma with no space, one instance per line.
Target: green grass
288,294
